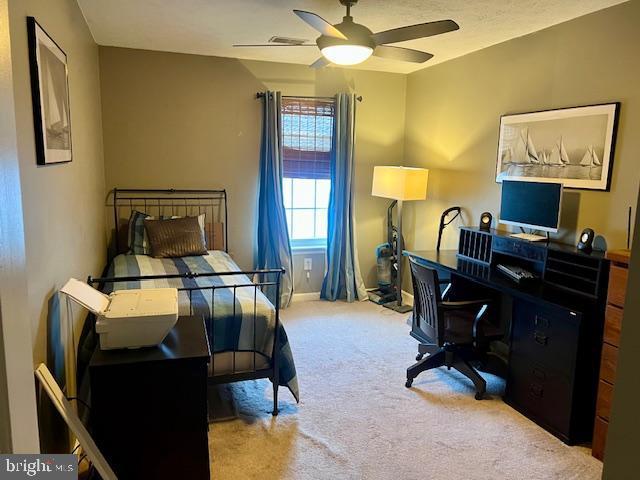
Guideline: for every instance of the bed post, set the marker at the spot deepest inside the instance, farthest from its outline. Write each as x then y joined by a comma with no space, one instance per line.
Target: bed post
226,226
115,220
276,349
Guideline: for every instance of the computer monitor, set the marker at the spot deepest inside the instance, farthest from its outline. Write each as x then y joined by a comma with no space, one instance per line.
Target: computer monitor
533,205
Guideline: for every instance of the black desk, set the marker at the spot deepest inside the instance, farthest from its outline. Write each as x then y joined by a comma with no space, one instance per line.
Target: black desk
447,262
552,341
149,406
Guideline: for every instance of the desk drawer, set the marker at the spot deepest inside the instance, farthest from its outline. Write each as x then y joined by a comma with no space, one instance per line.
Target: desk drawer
608,363
613,325
599,438
617,285
605,397
545,335
541,392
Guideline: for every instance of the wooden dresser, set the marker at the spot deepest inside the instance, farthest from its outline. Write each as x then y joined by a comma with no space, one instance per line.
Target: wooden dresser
611,341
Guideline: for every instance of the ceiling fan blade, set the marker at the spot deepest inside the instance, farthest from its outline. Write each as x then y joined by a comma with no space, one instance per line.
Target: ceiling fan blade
412,32
320,63
399,53
274,45
320,24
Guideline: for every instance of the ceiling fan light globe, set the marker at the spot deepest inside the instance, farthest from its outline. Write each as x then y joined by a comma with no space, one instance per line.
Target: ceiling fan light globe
346,54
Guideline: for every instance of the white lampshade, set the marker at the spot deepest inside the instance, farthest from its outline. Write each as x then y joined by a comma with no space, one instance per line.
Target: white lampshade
400,183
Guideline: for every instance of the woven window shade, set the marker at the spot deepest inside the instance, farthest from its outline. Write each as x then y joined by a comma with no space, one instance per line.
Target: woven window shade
307,131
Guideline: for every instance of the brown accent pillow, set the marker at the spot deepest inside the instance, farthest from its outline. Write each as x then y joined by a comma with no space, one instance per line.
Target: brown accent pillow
175,237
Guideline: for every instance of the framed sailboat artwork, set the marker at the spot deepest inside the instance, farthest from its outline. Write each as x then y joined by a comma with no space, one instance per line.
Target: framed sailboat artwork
573,146
50,96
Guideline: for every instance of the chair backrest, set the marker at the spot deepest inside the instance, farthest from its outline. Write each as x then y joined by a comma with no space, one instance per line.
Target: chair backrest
426,297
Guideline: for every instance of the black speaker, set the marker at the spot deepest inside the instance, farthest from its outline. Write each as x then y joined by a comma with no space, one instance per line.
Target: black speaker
485,221
585,244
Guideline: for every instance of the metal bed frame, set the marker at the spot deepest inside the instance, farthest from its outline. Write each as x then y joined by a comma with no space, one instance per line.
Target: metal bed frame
172,202
197,202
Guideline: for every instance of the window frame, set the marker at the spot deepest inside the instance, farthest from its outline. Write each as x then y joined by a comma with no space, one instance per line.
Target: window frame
315,242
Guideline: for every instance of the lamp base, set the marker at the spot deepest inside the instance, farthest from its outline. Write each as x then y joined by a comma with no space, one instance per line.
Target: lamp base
398,308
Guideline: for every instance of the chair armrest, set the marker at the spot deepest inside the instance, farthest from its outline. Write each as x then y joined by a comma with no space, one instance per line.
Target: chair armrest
477,327
483,307
465,304
447,290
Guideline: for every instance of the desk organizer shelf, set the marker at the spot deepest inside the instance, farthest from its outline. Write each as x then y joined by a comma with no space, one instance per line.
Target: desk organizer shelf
560,266
475,245
580,274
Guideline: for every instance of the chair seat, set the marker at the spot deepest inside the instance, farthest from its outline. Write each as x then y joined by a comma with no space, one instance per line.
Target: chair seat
458,327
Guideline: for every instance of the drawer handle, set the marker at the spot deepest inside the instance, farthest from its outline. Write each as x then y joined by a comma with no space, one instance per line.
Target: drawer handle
536,389
541,322
540,338
539,374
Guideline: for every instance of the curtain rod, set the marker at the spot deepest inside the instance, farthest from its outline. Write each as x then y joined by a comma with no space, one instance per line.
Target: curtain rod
261,95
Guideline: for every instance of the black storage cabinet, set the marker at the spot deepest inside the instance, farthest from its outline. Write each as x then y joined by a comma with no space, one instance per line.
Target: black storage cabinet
149,406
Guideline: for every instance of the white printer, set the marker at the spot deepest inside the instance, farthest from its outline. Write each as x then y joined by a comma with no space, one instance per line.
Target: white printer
128,318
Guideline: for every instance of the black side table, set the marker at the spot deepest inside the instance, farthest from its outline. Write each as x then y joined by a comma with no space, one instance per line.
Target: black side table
149,406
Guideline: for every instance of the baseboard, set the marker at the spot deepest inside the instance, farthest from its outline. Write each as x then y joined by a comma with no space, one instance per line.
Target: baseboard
407,298
305,297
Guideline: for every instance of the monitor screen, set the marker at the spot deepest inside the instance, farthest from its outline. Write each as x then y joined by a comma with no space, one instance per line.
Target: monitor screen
531,204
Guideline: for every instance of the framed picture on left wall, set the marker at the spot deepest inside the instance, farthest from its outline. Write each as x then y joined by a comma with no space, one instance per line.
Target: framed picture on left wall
50,96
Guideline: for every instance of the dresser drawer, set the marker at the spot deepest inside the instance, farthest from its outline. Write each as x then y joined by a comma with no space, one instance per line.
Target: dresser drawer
599,438
541,392
617,285
547,336
608,363
605,396
612,325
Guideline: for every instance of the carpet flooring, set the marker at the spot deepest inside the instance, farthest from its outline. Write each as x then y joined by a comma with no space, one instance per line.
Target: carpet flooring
356,419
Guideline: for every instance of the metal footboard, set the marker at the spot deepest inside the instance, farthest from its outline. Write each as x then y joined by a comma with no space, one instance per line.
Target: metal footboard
268,279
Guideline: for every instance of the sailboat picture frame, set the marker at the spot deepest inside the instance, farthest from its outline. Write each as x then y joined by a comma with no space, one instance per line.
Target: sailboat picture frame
573,146
50,97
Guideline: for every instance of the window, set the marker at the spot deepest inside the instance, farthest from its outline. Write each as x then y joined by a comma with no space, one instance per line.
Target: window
307,130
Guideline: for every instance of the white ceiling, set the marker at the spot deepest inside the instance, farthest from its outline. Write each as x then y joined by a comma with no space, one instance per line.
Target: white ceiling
210,27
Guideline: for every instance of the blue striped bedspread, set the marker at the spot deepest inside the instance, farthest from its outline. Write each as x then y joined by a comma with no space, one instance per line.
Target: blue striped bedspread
232,325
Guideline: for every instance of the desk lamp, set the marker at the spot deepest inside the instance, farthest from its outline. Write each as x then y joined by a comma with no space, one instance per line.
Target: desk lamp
400,184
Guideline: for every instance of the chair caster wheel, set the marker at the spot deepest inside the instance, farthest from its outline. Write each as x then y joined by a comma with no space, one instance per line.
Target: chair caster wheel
419,357
408,383
479,395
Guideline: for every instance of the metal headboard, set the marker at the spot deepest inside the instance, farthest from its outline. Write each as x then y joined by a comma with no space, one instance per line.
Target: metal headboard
212,203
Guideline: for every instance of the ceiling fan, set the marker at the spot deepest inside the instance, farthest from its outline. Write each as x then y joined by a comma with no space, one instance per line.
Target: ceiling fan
350,43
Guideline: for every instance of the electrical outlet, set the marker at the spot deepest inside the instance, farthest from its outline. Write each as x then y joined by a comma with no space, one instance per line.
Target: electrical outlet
308,264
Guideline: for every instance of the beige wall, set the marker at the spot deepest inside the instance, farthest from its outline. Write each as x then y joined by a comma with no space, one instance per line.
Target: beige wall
453,113
63,204
312,283
175,120
18,419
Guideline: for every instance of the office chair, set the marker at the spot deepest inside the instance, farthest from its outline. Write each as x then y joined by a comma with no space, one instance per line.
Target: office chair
457,332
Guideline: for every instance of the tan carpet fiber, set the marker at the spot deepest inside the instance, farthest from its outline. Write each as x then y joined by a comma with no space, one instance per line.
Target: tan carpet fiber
356,420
